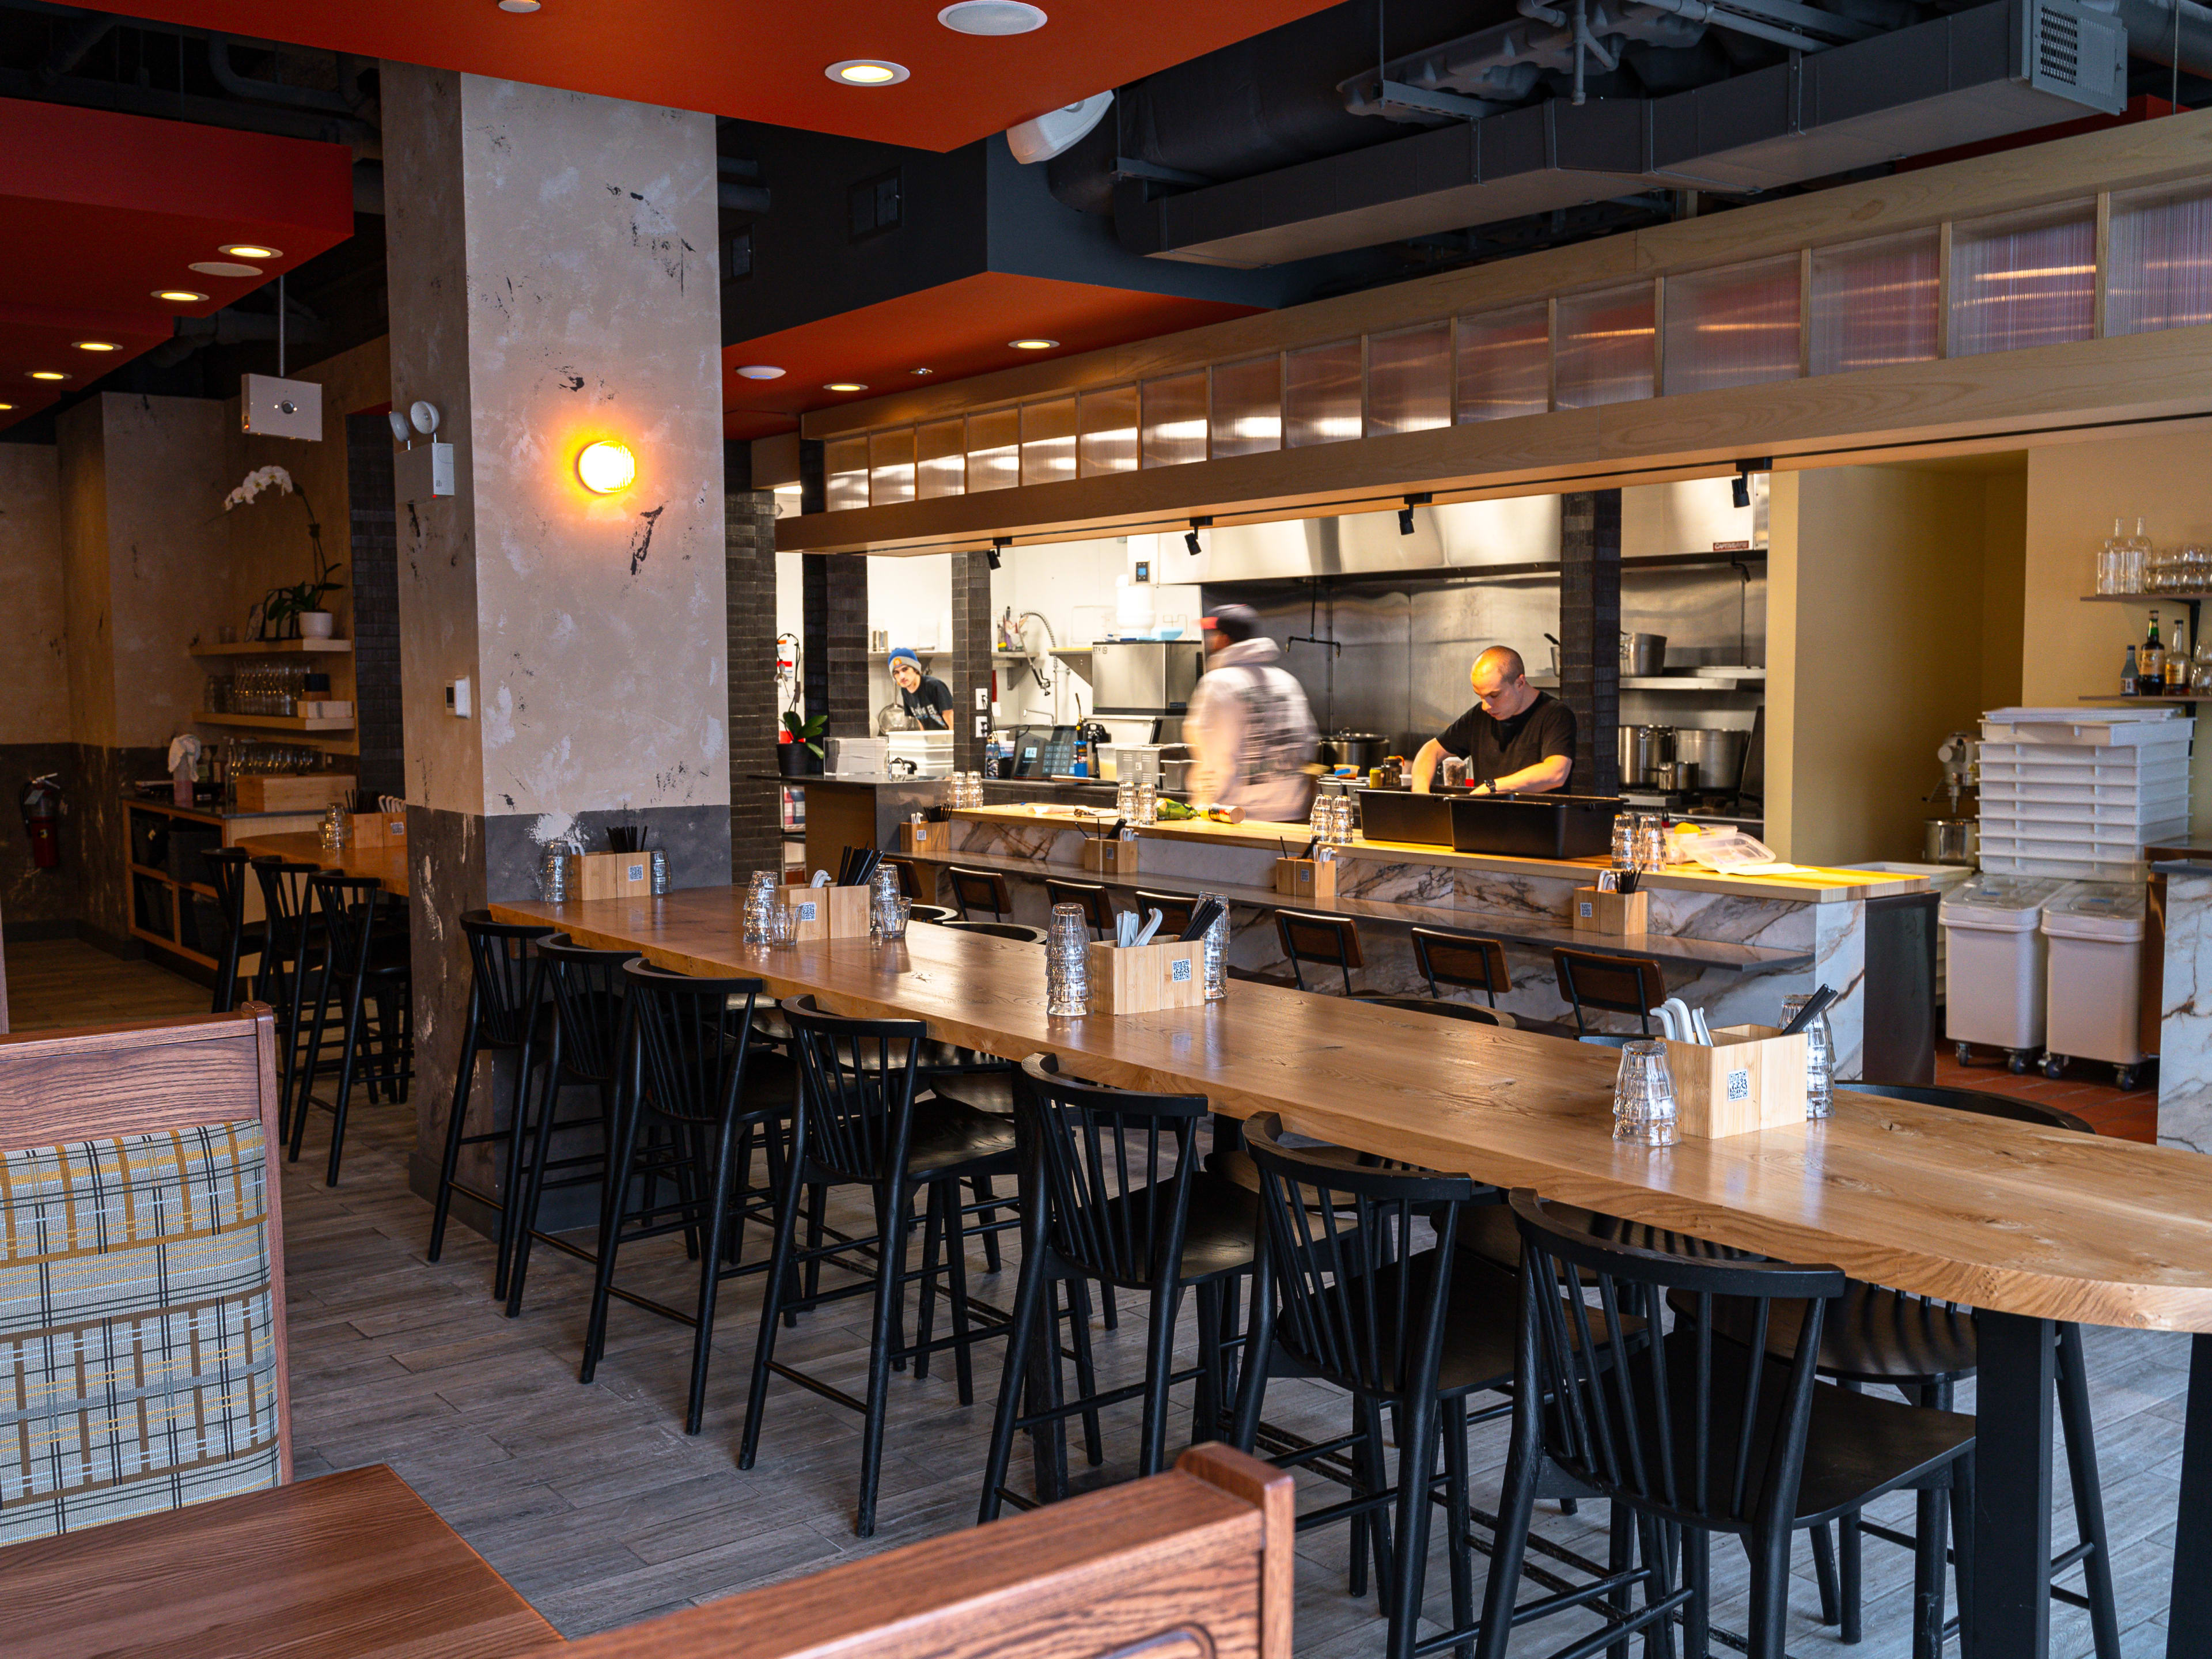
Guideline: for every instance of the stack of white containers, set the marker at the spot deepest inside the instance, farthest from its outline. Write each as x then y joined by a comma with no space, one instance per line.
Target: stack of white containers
2079,797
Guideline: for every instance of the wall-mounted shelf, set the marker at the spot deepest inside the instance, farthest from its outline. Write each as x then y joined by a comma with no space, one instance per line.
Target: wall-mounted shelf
275,649
2189,696
1752,680
271,722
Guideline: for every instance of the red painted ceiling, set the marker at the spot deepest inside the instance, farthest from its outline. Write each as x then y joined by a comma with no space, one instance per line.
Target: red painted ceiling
957,328
97,210
763,59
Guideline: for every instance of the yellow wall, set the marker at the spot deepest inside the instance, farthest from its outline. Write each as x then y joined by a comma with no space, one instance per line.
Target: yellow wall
1879,595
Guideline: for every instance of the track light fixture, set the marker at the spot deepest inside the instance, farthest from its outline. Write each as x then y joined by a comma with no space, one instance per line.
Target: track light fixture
1420,498
1740,486
998,544
1190,539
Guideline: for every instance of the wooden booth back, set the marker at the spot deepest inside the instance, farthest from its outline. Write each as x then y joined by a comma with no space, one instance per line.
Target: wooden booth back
141,1282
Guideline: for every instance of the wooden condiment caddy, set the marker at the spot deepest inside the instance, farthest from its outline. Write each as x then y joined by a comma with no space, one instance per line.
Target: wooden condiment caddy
379,829
310,792
1306,878
1142,979
1752,1078
1104,856
1594,910
820,913
933,840
611,875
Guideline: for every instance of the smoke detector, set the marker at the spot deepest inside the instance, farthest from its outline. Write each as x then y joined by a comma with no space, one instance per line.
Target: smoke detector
991,17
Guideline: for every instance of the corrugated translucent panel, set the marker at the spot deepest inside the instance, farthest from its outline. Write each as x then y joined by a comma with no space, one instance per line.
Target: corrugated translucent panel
1409,380
1108,422
1320,395
940,460
1506,363
2026,279
1048,441
994,450
1734,326
845,473
1175,420
890,466
1603,350
1247,406
1876,302
2158,265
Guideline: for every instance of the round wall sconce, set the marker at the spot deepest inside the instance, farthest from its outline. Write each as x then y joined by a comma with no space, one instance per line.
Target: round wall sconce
606,466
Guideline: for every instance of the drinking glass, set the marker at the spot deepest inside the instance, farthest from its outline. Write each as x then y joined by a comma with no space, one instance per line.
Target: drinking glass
1624,841
1819,1059
1643,1095
1068,962
553,880
1147,802
760,898
1651,842
1125,799
782,925
892,916
1217,952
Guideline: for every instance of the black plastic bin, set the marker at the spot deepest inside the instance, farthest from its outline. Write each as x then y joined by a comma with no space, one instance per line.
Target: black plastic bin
187,841
1535,826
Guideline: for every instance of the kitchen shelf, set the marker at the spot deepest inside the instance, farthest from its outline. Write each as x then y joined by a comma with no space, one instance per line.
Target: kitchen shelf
271,722
2145,598
1753,680
275,649
2190,696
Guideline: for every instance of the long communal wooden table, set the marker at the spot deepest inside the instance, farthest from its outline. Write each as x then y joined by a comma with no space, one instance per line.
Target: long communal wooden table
387,864
2030,1225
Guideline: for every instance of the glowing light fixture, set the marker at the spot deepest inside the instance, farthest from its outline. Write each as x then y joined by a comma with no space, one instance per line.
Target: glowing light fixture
225,268
921,371
95,345
7,405
844,385
250,250
178,296
866,72
605,466
760,372
48,374
1033,343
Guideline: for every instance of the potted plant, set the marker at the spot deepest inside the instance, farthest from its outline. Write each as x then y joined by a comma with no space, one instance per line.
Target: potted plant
296,611
798,753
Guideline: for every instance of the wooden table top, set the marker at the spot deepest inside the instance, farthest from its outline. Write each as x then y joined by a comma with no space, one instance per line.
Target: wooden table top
2008,1217
386,864
351,1565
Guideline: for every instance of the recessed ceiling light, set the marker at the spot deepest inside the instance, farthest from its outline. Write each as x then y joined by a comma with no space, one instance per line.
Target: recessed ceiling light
1034,342
844,385
866,72
991,17
95,345
760,372
178,296
225,268
7,405
250,250
921,371
48,374
518,5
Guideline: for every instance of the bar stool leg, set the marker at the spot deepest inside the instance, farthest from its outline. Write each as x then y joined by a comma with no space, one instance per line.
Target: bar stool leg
1824,1573
1029,1298
456,1123
710,1274
782,1282
890,1263
1460,1546
518,1209
619,1159
2080,1433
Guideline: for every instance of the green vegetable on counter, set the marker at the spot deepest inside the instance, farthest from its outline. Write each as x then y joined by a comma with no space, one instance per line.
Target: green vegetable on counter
1174,811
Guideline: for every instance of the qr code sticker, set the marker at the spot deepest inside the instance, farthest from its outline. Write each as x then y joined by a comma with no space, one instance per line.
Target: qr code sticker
1179,970
1739,1086
806,911
636,872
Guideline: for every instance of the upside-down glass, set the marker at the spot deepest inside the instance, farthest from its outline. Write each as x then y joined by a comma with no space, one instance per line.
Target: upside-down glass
760,896
1820,1060
1068,962
1644,1095
1217,951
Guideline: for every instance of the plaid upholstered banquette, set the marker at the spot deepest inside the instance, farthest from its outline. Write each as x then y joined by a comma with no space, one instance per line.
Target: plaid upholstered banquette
141,1306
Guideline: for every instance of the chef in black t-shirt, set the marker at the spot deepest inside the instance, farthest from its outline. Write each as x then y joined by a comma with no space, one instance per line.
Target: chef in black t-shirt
1517,740
925,697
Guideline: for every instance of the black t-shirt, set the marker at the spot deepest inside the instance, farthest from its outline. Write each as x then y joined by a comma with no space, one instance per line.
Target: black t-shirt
930,702
1497,748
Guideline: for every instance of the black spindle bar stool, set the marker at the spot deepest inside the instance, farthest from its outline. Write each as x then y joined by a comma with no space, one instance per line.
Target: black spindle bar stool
1689,1429
696,1087
502,1019
227,868
360,968
290,951
1316,937
1114,1188
862,1122
1473,961
1614,984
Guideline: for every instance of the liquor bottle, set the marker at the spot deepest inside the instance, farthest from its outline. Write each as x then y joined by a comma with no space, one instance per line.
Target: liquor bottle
2150,663
2176,663
2128,672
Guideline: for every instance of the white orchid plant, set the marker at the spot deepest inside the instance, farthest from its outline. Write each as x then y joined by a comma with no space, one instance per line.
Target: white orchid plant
282,605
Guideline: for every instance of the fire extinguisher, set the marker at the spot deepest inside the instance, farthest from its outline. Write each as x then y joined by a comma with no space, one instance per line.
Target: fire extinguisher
42,817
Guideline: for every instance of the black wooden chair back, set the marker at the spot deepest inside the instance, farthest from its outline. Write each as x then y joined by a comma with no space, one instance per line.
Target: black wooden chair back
588,993
346,910
1013,930
1696,1426
1109,1161
227,874
1358,1260
693,1036
501,961
1174,910
911,885
1329,941
1097,904
1618,985
857,1086
1473,961
980,889
289,907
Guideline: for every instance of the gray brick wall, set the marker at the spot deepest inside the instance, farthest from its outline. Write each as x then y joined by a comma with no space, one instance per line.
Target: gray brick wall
837,642
373,538
749,540
1589,634
971,653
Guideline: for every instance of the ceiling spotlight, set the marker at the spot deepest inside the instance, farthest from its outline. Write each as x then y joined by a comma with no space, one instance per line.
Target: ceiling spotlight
844,385
999,545
178,296
759,372
518,6
866,72
991,17
250,250
921,371
7,405
95,345
1405,512
1190,540
605,466
48,374
224,268
1033,343
1740,486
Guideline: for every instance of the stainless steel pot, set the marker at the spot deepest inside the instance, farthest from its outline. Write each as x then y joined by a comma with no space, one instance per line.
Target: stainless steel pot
1643,750
1716,752
1642,655
1679,777
1951,841
1362,750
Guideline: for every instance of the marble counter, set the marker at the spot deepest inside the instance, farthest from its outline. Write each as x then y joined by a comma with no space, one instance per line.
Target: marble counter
2185,1024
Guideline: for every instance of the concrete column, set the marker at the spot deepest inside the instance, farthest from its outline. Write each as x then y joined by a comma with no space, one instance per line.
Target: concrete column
552,275
1589,634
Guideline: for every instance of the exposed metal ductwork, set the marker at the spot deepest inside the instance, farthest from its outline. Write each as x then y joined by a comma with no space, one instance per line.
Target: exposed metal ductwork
1999,69
2176,33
